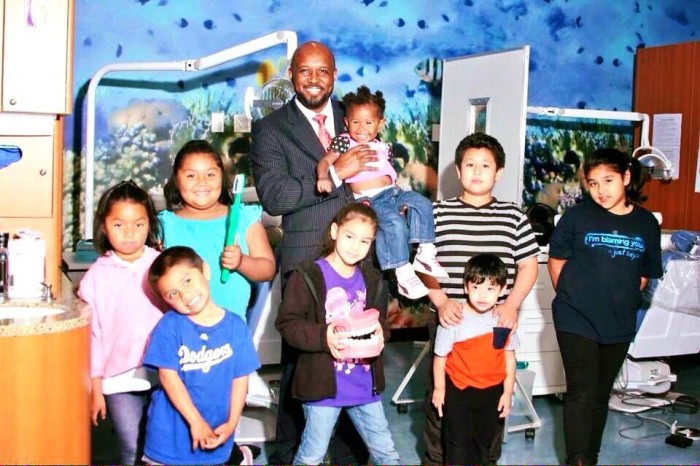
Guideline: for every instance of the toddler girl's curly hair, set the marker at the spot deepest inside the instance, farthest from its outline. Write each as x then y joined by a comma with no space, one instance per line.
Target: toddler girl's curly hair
363,96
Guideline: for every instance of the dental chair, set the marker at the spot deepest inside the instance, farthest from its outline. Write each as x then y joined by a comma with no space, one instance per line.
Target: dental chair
259,418
668,325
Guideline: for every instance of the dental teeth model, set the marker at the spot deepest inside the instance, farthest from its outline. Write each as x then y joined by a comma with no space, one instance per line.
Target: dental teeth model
358,331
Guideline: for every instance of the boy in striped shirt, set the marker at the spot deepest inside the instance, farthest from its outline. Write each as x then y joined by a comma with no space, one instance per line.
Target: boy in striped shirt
476,223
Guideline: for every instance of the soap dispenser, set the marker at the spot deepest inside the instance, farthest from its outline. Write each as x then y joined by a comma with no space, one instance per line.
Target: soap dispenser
27,254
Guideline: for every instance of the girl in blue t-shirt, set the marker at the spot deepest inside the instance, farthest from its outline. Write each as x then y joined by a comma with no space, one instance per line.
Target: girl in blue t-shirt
198,196
334,313
203,355
601,255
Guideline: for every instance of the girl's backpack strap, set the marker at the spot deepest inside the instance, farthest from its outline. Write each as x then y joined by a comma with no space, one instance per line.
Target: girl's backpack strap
309,282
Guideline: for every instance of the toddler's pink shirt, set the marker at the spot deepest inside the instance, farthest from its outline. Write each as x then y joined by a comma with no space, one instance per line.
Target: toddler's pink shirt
123,311
383,163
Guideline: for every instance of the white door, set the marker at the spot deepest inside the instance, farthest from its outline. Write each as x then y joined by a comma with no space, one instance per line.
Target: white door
488,93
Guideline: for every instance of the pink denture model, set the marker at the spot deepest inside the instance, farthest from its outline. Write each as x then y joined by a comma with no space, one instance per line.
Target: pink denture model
358,331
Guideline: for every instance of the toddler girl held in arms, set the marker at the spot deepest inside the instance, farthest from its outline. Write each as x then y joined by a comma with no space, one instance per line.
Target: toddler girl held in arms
364,119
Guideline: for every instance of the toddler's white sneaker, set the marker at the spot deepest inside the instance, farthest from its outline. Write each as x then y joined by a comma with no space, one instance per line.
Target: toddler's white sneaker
426,262
409,284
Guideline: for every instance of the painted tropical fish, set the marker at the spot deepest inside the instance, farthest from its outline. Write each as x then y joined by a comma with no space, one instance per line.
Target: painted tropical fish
268,71
429,70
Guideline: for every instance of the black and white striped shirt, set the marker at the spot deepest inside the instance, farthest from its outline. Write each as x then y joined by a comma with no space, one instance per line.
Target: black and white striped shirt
463,231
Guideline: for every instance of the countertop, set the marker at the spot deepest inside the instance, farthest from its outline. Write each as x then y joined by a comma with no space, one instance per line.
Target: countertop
76,314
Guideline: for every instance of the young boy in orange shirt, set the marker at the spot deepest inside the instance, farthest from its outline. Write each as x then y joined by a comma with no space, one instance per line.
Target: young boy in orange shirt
474,367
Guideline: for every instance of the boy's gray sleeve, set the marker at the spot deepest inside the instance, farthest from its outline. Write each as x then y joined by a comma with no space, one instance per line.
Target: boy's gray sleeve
444,340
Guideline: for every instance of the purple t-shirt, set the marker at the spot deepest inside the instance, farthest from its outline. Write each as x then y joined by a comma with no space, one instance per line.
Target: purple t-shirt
353,377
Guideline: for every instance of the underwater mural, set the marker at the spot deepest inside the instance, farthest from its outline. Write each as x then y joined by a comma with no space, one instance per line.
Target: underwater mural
582,56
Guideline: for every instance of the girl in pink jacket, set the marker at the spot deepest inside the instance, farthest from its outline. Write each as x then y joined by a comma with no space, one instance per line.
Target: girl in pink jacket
124,311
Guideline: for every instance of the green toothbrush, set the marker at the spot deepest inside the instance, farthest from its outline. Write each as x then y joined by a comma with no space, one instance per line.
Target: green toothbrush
232,218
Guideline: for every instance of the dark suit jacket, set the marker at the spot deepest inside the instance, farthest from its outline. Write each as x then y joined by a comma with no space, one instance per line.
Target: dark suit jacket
285,152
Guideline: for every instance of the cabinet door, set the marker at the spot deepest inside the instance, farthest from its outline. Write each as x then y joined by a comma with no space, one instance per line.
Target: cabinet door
537,338
549,372
486,92
36,56
542,294
26,186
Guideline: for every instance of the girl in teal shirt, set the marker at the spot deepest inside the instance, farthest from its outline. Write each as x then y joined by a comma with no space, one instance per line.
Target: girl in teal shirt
198,196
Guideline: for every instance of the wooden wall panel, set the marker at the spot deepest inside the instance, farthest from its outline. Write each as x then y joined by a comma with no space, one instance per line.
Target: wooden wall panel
667,81
692,212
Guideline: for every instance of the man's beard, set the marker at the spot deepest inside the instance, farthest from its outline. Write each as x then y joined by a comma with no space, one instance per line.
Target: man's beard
314,102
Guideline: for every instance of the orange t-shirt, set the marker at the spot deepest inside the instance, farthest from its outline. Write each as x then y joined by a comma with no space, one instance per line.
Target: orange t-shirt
472,361
475,363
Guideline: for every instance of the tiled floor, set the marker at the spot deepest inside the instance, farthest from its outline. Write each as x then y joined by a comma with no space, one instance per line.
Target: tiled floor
628,439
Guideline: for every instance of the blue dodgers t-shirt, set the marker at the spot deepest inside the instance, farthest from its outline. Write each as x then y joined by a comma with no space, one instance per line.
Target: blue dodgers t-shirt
353,378
207,359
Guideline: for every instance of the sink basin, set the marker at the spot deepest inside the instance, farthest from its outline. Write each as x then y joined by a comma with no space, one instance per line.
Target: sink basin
28,312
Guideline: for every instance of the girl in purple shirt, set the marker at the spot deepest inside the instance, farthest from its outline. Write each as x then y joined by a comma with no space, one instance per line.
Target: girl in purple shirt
326,314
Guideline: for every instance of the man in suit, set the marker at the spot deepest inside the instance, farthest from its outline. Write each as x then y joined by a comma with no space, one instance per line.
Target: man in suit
286,148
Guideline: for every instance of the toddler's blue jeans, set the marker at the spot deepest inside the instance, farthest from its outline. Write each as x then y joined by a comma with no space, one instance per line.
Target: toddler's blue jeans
397,231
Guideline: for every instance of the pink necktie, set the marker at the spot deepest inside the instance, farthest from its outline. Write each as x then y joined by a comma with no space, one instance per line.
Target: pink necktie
323,134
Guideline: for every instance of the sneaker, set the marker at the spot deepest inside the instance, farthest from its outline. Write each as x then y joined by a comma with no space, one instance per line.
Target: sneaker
425,262
249,452
409,284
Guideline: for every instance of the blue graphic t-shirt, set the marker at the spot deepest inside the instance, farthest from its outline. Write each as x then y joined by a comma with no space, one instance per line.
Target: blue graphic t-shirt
607,255
207,359
353,378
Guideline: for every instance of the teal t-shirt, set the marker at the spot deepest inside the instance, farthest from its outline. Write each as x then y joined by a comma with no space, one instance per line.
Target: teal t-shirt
207,238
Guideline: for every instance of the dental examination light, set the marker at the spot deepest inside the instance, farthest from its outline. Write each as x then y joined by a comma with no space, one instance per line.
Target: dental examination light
197,64
654,162
652,159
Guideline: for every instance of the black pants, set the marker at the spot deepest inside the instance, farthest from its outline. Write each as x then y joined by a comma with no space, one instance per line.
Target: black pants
470,423
591,369
432,431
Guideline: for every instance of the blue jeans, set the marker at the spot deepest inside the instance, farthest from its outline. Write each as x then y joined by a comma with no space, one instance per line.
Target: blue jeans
369,420
128,414
397,231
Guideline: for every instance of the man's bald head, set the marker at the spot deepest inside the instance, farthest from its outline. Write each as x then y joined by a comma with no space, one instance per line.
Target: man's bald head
313,74
312,46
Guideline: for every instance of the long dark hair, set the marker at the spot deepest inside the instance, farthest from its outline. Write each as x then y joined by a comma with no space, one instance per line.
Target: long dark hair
619,162
126,191
171,191
345,214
